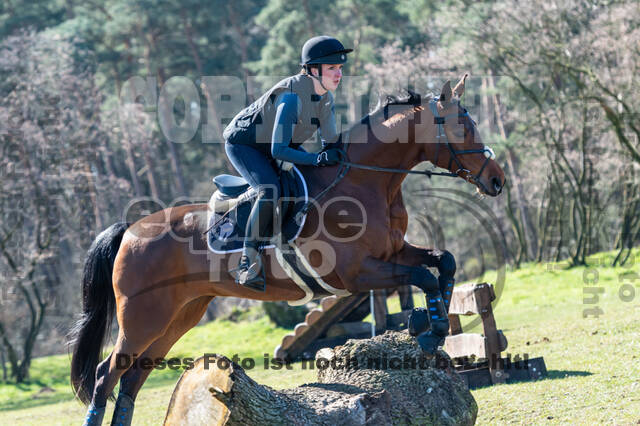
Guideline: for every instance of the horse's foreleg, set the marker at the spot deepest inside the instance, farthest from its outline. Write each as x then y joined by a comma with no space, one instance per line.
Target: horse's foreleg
443,260
375,274
133,379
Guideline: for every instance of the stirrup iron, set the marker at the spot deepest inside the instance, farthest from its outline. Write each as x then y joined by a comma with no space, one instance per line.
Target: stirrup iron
251,276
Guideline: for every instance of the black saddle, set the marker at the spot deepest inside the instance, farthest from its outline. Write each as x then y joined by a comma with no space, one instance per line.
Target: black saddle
233,186
231,205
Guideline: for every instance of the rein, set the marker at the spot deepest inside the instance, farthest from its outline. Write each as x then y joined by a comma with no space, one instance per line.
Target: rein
427,173
439,121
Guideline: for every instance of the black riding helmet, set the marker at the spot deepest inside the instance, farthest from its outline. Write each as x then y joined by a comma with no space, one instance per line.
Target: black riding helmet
323,50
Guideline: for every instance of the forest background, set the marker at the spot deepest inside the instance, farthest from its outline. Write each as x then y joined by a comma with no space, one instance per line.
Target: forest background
553,86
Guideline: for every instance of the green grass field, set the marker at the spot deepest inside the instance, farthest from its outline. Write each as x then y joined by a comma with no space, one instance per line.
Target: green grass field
593,363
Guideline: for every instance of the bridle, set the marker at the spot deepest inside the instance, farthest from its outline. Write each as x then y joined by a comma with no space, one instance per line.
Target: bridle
346,165
441,136
461,171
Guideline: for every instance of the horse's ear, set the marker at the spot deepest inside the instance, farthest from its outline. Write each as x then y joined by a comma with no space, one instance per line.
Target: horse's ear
459,89
446,94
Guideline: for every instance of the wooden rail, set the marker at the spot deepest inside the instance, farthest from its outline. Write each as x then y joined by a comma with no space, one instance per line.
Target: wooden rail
336,320
475,299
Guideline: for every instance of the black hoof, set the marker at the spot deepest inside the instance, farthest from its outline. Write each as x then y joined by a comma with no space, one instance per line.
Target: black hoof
430,342
418,321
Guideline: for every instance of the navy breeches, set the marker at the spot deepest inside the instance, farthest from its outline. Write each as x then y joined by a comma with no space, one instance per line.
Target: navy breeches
257,169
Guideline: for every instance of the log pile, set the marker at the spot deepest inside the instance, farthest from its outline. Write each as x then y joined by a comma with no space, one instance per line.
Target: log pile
378,381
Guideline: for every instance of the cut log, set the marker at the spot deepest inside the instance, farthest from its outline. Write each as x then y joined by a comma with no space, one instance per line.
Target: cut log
378,381
313,316
328,302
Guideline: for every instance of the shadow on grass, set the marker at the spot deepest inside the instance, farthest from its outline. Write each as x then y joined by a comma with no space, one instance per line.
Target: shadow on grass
29,397
551,375
563,374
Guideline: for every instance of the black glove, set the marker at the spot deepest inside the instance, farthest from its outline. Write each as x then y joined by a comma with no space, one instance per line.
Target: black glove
330,157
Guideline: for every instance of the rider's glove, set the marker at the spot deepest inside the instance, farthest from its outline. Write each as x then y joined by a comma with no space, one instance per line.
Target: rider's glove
330,157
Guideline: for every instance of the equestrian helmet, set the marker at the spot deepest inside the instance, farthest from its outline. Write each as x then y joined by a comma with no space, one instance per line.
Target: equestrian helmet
323,50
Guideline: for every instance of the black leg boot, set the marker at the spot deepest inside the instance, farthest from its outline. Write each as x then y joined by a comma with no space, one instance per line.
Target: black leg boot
94,415
436,313
446,281
123,413
250,272
446,289
430,340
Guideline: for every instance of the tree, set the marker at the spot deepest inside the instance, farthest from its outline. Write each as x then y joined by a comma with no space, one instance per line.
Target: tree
48,197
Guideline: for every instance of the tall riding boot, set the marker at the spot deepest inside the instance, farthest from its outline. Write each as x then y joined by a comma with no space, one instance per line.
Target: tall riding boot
430,340
250,270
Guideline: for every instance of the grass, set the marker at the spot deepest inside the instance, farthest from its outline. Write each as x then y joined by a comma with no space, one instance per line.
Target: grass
593,363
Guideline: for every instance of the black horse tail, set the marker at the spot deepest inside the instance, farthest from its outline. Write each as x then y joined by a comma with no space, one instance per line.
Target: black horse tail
93,329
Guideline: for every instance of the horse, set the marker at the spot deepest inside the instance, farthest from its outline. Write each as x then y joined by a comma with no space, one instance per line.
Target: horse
155,275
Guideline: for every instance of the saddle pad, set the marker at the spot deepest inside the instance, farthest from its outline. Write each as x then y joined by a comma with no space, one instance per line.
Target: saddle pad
297,267
227,229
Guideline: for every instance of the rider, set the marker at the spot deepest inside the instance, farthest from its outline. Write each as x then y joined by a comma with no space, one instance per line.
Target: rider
273,128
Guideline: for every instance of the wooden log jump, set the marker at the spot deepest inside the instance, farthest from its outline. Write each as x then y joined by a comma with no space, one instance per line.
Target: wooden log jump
355,387
336,320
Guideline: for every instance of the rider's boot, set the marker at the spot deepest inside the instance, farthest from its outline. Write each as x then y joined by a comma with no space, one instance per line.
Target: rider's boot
250,272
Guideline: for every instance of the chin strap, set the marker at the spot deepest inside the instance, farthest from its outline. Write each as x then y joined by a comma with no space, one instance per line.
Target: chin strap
319,80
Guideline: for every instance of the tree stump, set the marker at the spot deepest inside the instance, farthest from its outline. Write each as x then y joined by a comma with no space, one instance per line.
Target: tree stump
379,381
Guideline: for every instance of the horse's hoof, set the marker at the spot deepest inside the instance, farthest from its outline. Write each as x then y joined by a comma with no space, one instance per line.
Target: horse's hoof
418,321
94,416
430,342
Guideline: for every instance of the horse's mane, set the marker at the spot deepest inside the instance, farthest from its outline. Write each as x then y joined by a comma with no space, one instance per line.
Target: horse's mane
413,98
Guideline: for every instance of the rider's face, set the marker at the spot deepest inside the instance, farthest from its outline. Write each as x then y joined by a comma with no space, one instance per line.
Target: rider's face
331,75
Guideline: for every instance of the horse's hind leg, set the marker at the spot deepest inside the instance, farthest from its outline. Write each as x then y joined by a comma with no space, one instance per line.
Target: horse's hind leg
133,379
133,339
108,373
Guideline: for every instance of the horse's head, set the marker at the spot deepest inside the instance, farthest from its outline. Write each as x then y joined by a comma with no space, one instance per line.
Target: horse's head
460,148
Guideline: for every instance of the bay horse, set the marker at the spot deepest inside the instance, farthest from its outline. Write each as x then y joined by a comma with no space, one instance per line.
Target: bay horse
155,275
